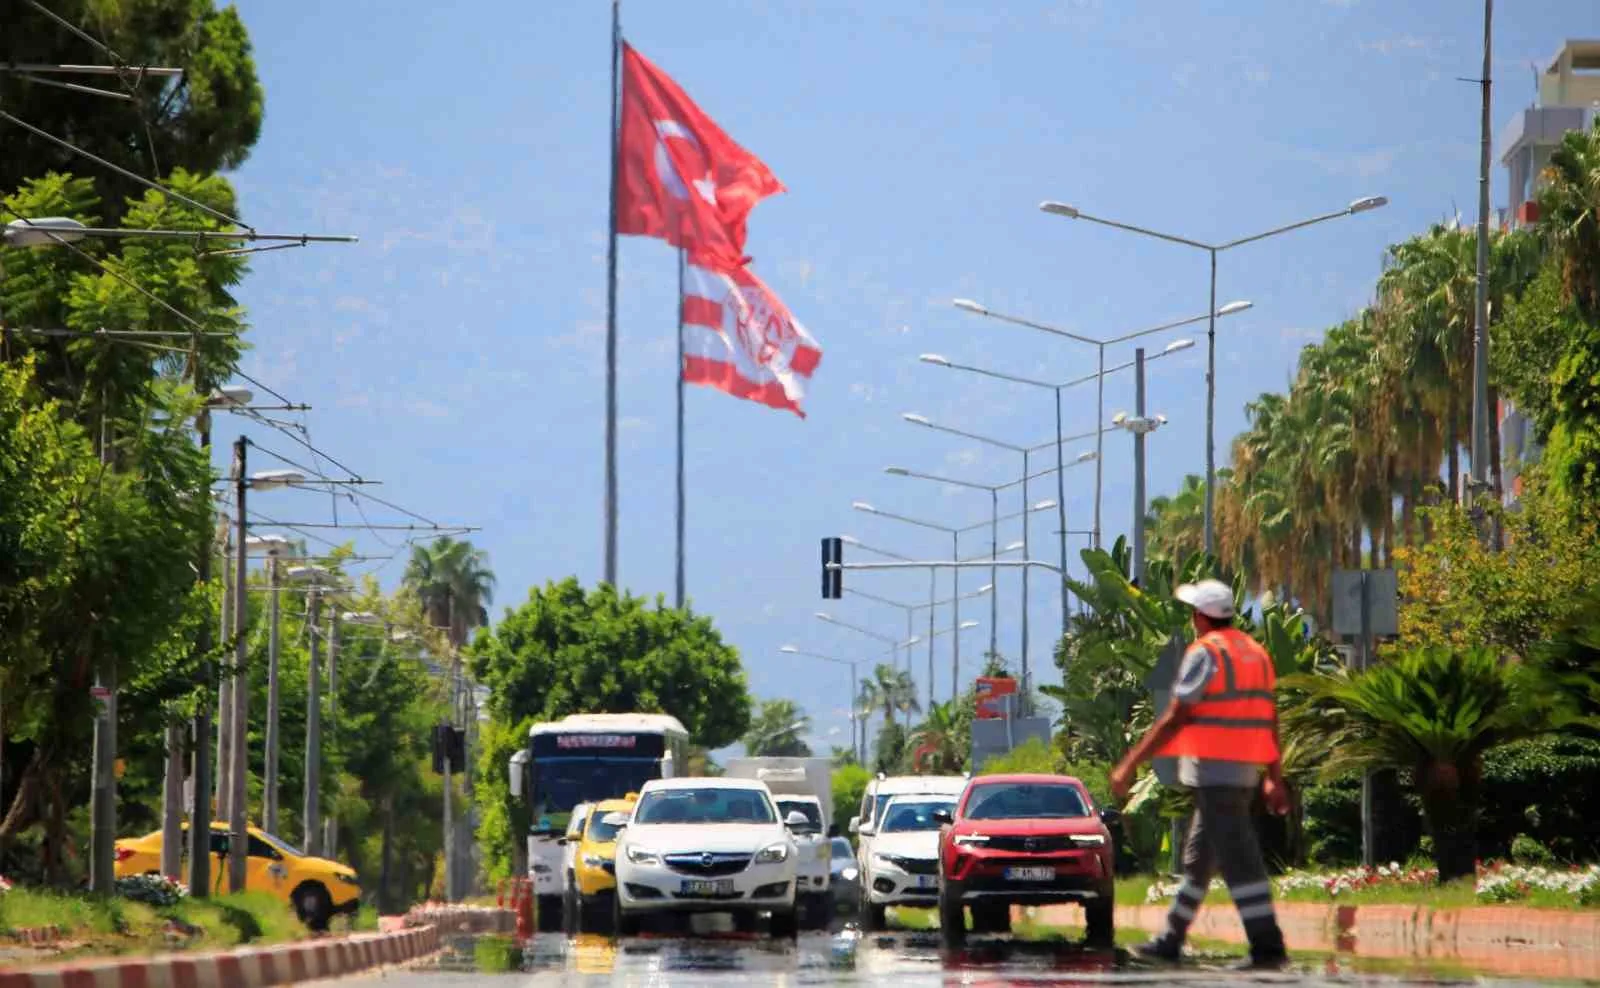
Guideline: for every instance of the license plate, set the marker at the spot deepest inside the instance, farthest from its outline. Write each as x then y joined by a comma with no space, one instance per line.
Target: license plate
720,887
927,881
1031,874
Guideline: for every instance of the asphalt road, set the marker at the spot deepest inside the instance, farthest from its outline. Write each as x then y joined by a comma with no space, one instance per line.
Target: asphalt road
901,960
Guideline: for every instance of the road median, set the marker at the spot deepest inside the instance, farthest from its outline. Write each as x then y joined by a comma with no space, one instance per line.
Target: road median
248,967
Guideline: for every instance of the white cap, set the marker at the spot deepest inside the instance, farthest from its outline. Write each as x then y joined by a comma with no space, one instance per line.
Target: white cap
1213,598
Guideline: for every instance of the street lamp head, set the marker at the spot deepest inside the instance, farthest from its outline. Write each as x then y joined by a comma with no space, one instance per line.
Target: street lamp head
986,588
313,573
915,419
897,471
790,649
1087,456
1045,505
1177,345
934,358
824,616
849,540
222,397
1236,306
1370,202
864,506
270,544
361,617
967,624
1013,547
1119,418
268,479
1059,209
968,305
42,232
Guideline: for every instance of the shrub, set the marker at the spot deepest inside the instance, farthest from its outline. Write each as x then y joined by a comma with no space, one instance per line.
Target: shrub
155,890
1527,851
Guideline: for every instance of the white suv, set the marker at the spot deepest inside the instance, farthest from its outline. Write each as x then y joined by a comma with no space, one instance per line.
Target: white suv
902,866
706,845
873,801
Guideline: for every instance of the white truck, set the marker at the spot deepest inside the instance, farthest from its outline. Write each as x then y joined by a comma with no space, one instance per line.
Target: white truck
801,785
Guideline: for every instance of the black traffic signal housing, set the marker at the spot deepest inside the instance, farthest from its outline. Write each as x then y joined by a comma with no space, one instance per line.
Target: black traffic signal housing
832,578
449,742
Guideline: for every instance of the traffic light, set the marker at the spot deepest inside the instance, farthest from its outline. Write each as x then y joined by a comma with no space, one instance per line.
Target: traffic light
449,742
832,579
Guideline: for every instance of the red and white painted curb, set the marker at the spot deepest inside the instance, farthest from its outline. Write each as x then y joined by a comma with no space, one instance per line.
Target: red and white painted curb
246,968
456,918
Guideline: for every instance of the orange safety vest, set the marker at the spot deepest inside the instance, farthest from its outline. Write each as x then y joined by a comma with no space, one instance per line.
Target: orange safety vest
1233,720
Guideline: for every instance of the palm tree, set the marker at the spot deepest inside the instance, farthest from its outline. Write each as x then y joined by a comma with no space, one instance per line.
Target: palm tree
936,742
455,585
890,690
776,728
1432,712
1569,210
1175,526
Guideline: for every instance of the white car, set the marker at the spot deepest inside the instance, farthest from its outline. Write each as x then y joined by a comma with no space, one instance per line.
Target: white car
873,801
902,867
813,864
696,845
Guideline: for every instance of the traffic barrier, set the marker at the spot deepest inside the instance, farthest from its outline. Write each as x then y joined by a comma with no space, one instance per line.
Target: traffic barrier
246,968
1511,940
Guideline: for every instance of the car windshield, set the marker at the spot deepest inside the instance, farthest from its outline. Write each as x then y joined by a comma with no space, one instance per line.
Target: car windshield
842,851
709,805
883,801
1024,801
602,832
905,817
810,811
281,844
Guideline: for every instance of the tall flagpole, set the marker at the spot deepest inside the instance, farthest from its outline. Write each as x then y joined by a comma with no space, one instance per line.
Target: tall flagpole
611,311
680,583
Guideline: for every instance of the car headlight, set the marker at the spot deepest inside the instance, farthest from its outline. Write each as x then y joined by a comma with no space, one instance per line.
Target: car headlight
347,879
640,855
849,874
772,853
594,860
1088,840
888,859
969,840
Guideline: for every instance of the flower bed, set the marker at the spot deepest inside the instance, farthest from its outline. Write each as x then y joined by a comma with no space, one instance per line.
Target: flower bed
156,890
1496,882
5,884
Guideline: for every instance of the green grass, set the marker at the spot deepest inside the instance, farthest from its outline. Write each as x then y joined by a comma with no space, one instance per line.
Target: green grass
1452,895
94,924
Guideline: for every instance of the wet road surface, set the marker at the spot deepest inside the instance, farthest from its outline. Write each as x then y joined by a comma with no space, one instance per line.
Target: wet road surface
900,959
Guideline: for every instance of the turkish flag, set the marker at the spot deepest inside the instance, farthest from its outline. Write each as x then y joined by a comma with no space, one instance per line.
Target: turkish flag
679,177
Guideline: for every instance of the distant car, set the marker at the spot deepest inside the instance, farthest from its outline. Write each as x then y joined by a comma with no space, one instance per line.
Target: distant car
317,888
846,873
903,868
591,883
696,845
1031,839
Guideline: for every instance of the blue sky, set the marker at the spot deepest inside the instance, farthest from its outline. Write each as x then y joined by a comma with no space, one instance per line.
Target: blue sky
456,352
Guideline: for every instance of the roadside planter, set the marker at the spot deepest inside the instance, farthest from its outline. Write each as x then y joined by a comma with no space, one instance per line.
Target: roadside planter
1496,883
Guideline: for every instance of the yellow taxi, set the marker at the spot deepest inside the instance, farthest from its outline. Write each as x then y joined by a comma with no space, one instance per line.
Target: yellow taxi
593,880
316,888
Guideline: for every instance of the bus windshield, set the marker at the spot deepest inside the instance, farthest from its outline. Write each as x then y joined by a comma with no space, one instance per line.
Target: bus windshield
559,784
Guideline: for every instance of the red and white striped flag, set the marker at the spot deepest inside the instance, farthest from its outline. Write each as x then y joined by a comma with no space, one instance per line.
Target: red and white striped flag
739,337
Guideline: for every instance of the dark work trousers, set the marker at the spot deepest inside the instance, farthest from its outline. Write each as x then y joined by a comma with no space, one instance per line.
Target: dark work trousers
1222,837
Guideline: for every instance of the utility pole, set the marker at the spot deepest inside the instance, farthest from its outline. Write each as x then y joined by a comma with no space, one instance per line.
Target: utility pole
1481,423
238,817
224,794
449,782
1138,468
103,803
311,813
331,824
269,780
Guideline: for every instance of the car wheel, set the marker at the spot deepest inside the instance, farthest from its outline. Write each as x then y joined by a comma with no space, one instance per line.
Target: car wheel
549,917
952,916
785,924
1100,926
622,924
570,905
870,916
595,914
314,906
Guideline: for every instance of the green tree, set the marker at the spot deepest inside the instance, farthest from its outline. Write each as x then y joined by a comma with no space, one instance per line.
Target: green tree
570,650
849,785
454,583
1432,712
776,728
205,121
890,690
936,742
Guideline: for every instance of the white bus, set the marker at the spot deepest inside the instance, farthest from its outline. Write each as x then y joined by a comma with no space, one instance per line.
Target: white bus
584,758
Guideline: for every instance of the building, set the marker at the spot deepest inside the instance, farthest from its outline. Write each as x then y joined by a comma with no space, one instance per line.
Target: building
1569,99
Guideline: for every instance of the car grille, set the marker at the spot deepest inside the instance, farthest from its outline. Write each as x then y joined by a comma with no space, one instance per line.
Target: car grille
916,866
1058,842
707,864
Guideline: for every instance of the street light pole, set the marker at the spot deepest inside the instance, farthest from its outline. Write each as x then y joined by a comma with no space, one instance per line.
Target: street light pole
269,775
311,798
238,823
1138,470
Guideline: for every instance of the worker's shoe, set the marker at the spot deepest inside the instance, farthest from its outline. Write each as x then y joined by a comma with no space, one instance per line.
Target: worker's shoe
1265,961
1164,949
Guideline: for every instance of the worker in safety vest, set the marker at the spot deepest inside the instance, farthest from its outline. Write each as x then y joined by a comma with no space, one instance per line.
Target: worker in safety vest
1222,726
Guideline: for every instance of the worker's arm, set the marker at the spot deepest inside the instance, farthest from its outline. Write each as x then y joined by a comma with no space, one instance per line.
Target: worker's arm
1163,730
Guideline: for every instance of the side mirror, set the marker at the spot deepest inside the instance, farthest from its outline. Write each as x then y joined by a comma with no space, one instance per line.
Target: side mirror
615,818
796,819
855,825
833,830
1110,815
943,817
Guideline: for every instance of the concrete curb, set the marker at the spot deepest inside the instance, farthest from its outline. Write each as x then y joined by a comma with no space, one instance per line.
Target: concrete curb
246,968
452,919
1515,940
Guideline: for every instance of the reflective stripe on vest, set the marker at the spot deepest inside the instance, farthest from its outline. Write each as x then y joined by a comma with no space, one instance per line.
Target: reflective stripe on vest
1233,719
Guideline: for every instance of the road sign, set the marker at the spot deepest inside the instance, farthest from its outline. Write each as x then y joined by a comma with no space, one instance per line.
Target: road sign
1380,590
1159,683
